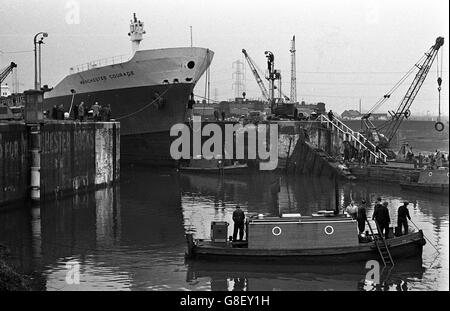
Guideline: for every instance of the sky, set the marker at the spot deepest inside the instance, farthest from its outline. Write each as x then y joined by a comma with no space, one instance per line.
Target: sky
347,50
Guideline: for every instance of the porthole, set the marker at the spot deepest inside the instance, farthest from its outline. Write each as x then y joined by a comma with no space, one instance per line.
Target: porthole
191,64
439,126
276,231
328,230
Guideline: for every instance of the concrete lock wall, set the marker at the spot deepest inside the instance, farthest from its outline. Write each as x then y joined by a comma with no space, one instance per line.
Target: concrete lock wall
14,171
78,156
73,157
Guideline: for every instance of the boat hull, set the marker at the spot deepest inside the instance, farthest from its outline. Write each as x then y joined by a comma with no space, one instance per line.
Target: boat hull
431,188
407,246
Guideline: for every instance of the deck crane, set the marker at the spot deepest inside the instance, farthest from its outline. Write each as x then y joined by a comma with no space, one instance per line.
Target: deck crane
390,127
257,77
6,71
278,107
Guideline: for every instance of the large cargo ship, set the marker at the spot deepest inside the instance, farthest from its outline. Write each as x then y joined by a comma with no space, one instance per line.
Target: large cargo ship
147,93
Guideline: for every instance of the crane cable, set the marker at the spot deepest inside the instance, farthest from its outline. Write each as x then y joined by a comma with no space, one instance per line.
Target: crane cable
439,126
396,86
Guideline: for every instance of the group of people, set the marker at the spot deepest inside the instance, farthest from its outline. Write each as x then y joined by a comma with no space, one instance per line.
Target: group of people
380,215
99,113
58,112
80,112
431,161
359,213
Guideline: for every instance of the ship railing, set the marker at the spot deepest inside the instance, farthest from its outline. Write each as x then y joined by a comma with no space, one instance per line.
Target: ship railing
356,138
100,63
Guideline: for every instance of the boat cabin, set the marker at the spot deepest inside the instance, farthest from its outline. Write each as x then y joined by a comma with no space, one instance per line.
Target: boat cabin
316,231
293,231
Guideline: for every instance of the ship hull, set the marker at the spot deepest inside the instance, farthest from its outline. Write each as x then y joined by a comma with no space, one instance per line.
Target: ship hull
147,94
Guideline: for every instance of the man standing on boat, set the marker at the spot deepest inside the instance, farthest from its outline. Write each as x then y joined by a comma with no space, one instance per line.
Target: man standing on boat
402,217
352,209
377,204
361,217
239,219
381,217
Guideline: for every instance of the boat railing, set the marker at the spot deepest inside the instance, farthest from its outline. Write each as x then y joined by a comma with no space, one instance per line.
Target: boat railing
100,63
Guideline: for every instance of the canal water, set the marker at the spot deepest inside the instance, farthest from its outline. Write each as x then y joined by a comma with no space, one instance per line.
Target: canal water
131,236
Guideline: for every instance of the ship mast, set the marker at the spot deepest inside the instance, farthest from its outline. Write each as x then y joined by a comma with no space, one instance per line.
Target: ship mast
136,33
293,72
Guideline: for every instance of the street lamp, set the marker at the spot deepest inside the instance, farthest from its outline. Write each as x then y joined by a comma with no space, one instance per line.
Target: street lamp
37,83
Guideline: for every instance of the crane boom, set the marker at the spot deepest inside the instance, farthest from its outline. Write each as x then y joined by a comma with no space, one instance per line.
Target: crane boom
6,71
257,77
403,109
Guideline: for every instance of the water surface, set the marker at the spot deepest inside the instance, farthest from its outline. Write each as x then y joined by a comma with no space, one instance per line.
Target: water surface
131,236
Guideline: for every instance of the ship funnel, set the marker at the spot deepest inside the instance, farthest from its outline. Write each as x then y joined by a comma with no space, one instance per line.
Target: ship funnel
136,33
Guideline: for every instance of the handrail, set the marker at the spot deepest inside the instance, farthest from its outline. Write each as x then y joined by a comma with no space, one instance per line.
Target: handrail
356,136
99,63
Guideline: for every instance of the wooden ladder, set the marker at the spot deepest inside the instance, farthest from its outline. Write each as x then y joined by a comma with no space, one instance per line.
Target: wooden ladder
382,247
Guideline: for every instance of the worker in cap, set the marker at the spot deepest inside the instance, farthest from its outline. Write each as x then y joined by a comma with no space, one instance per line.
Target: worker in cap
381,217
361,217
239,223
377,203
402,217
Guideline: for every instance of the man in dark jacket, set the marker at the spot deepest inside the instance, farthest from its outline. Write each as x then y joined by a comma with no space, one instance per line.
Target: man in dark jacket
361,216
54,112
75,112
381,216
239,220
402,217
377,204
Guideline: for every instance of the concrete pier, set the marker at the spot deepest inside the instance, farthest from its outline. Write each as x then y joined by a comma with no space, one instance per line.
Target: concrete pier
56,158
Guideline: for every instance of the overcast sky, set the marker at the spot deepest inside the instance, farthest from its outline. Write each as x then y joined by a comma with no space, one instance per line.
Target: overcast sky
346,50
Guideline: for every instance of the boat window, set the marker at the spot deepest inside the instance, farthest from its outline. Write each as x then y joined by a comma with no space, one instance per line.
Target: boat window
191,64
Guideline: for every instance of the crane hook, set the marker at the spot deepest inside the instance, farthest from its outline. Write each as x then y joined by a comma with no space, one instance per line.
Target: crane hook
439,126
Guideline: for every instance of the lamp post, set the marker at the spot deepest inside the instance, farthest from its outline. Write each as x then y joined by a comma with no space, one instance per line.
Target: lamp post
37,83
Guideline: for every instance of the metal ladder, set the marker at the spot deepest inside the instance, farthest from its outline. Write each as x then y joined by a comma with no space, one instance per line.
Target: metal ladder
358,139
382,248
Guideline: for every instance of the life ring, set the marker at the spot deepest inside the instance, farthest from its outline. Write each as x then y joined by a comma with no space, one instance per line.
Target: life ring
329,230
407,113
276,231
430,174
439,126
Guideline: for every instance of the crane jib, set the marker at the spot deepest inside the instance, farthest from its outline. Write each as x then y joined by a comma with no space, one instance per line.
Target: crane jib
403,110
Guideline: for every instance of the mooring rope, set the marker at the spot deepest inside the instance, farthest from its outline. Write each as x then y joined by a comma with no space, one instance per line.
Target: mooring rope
146,106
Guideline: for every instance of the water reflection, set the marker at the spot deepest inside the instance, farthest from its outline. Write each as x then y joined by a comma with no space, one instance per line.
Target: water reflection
131,236
238,276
